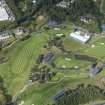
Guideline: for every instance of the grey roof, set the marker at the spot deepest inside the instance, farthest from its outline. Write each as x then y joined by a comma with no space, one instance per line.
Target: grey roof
52,23
95,70
48,57
59,95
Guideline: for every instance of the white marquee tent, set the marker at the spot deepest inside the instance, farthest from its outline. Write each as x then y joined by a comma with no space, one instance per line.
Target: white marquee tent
3,14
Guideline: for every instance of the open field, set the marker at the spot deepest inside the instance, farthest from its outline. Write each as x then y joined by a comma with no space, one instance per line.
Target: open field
21,56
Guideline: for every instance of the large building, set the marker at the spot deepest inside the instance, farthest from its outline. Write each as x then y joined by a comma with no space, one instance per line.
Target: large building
5,12
81,37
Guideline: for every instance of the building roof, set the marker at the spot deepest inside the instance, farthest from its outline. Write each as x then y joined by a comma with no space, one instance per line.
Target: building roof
3,38
96,70
59,95
52,23
48,57
82,38
3,14
63,4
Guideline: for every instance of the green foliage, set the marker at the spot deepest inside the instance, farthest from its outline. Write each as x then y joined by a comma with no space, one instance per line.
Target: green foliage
6,25
72,13
81,95
8,98
16,11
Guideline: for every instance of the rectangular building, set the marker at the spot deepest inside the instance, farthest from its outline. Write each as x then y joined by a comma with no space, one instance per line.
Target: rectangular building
79,37
5,12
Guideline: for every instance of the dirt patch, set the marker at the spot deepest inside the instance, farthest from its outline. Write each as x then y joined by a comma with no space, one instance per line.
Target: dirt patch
40,19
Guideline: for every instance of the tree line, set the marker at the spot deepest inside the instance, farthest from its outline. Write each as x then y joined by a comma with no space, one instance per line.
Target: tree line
81,95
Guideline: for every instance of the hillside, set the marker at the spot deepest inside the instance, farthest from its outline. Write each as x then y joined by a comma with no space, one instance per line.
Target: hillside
48,66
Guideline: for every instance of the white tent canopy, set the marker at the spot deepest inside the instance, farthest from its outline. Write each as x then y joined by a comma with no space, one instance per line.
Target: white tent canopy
81,38
3,14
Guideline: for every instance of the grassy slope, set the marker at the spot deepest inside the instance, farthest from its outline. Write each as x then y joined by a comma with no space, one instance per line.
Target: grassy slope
44,93
98,50
21,57
18,14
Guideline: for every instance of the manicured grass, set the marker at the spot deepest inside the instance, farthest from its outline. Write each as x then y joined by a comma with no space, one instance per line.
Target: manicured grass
60,61
98,50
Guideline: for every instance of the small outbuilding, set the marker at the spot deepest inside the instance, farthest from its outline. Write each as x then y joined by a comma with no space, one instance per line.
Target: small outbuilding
59,95
85,20
63,4
5,35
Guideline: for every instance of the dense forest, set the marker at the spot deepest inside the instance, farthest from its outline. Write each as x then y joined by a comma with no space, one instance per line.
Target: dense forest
74,10
27,11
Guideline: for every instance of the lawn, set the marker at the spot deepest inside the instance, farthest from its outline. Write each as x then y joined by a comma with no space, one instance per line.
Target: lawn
98,49
21,57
